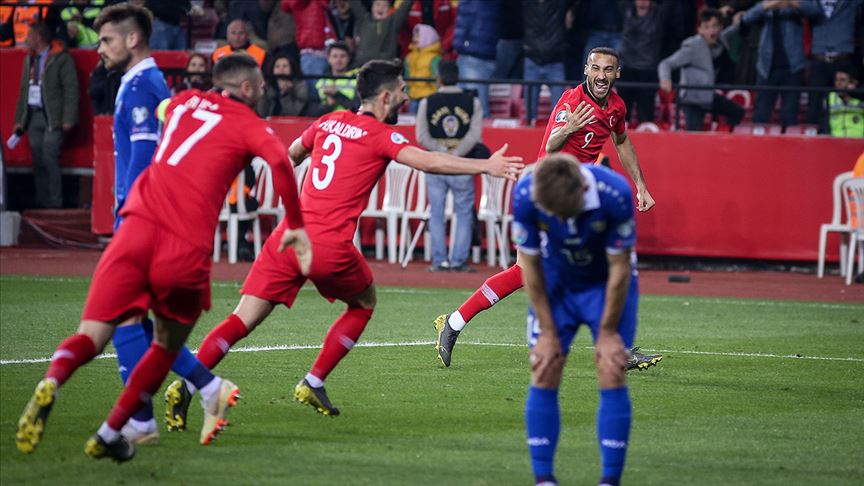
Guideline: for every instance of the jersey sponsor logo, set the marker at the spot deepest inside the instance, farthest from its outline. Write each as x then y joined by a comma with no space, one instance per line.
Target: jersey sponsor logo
398,138
139,114
561,116
520,234
342,129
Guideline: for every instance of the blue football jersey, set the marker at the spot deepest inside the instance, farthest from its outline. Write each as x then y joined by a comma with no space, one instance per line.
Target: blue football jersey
136,128
574,251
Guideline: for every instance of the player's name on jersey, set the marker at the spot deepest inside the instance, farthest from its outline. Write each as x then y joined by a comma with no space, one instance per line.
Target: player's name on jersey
342,129
199,103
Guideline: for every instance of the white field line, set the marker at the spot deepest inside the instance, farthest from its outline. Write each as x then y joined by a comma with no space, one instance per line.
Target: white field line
292,347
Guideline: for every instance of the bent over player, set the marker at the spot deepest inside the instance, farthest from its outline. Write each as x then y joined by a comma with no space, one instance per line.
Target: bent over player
350,152
581,131
160,258
574,230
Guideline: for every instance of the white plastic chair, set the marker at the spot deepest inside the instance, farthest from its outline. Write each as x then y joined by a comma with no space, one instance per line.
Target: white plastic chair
418,209
853,202
837,225
269,203
491,212
300,173
392,206
232,220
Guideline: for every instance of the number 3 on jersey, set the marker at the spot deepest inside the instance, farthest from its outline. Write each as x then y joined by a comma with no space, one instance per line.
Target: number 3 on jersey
210,120
329,162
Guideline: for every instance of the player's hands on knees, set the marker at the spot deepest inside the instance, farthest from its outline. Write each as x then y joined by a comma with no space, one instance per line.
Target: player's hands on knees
610,355
547,360
580,116
299,241
644,199
502,165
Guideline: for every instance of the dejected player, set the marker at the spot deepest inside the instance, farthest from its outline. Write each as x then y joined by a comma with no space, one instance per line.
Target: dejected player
350,152
160,258
581,122
574,230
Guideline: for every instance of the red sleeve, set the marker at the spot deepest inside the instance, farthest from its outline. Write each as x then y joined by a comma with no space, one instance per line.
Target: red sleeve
307,138
390,142
620,124
268,147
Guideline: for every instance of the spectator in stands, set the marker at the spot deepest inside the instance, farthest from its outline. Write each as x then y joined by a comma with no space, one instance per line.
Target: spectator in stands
378,29
168,33
103,88
451,121
203,22
641,41
17,20
338,94
604,21
440,14
197,74
833,44
845,113
476,40
696,58
281,32
781,59
79,17
545,44
343,21
285,95
312,33
509,57
255,13
47,109
422,62
238,41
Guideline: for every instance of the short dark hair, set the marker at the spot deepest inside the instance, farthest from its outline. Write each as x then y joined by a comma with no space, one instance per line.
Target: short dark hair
42,30
140,17
848,68
338,45
606,51
556,186
448,72
376,75
229,68
708,13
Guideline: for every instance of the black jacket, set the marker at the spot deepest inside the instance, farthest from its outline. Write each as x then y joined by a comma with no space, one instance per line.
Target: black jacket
545,32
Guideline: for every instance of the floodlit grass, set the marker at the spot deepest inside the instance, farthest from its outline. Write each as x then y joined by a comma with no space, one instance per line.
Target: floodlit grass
729,404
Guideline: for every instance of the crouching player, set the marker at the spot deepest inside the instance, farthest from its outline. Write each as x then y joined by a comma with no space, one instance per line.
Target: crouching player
574,230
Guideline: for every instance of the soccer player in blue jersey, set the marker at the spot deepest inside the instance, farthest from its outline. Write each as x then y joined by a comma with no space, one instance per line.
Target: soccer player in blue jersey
574,230
124,33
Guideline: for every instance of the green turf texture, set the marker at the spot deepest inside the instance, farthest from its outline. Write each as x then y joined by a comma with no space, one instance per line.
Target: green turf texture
746,418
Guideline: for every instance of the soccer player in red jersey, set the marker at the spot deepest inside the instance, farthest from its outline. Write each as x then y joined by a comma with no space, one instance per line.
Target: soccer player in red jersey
160,257
581,131
350,152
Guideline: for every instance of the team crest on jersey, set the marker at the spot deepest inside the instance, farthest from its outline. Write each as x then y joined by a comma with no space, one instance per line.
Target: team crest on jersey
611,120
398,138
561,117
520,234
598,226
139,114
450,124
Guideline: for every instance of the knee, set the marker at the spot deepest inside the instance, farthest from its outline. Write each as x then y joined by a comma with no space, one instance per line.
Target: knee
367,300
611,378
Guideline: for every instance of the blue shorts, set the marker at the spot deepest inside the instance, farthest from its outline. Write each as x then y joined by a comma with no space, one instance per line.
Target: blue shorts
586,307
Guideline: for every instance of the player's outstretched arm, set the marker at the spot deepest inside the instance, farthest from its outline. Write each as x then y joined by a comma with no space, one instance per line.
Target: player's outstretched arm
498,165
627,154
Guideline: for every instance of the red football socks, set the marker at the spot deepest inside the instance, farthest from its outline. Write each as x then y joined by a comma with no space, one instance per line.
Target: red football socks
340,339
493,289
142,384
219,340
72,353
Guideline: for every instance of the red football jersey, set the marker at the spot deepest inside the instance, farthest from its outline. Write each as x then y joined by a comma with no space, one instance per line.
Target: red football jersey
349,154
207,140
586,144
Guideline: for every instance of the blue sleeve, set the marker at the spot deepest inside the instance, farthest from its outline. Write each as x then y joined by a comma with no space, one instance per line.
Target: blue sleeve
144,130
526,235
622,225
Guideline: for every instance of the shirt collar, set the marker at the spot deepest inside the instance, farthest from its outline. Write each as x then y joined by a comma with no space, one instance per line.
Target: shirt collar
146,63
591,198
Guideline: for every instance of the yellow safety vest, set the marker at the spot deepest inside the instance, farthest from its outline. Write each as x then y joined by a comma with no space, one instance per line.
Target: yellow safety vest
846,118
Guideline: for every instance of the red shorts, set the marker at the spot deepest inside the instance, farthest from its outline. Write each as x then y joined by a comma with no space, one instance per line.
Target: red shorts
147,267
338,271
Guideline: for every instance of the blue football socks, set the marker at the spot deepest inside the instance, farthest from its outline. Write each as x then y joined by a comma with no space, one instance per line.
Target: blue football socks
131,342
543,425
614,415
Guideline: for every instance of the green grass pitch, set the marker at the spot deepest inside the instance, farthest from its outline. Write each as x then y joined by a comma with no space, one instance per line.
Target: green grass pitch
729,404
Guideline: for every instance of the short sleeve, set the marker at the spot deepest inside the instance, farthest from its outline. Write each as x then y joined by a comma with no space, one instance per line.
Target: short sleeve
620,125
525,233
141,110
558,116
391,143
622,224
